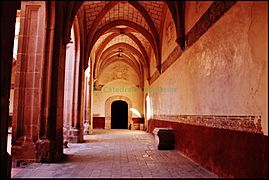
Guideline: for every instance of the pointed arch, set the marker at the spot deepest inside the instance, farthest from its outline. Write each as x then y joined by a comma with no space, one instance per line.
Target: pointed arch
130,24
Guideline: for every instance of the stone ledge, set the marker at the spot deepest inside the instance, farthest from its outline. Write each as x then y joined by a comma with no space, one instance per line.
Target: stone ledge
251,124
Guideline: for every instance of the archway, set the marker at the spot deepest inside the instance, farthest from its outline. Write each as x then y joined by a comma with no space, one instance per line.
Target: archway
108,105
119,115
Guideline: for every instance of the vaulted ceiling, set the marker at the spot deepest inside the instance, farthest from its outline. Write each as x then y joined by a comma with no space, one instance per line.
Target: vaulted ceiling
128,31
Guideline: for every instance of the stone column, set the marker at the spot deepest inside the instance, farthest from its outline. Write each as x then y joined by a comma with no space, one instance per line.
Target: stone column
55,90
69,83
74,76
86,104
27,90
76,132
90,101
44,146
50,145
8,19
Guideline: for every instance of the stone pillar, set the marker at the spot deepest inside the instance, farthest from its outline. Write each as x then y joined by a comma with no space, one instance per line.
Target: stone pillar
74,77
90,101
76,132
55,90
49,146
80,103
69,82
44,145
86,104
28,90
8,19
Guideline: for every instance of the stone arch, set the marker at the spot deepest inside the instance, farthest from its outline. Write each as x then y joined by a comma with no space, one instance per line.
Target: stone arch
108,103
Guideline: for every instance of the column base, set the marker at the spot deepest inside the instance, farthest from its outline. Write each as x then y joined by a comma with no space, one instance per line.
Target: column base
75,135
65,137
47,151
23,153
6,163
43,150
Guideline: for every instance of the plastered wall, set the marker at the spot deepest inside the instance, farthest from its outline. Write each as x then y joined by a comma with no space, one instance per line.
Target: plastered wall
225,72
117,79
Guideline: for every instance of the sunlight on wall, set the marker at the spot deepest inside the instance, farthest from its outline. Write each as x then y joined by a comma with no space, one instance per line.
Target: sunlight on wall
88,71
149,114
17,30
135,112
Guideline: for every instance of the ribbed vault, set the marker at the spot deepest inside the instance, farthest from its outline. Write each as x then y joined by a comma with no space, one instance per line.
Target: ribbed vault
126,31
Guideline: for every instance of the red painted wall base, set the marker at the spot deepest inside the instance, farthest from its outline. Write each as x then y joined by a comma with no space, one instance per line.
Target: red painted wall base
225,152
98,122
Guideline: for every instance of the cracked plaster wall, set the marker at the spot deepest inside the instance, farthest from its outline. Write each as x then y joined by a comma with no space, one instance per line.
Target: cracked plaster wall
225,72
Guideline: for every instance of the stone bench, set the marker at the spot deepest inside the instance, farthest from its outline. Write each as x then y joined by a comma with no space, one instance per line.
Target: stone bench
164,138
137,126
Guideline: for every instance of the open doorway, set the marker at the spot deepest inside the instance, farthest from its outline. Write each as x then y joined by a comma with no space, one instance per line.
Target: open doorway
119,115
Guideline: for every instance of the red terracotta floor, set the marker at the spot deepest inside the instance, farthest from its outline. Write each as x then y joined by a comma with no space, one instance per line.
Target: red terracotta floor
117,154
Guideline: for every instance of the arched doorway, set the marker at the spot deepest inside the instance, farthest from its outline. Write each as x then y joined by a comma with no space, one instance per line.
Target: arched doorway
108,105
119,115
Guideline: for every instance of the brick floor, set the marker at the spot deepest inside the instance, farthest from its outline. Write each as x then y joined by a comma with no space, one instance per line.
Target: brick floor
117,154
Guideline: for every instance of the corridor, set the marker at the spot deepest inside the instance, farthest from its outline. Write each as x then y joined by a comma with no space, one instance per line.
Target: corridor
103,75
117,154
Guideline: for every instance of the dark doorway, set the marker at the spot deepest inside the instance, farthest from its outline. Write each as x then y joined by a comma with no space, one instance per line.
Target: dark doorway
119,115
